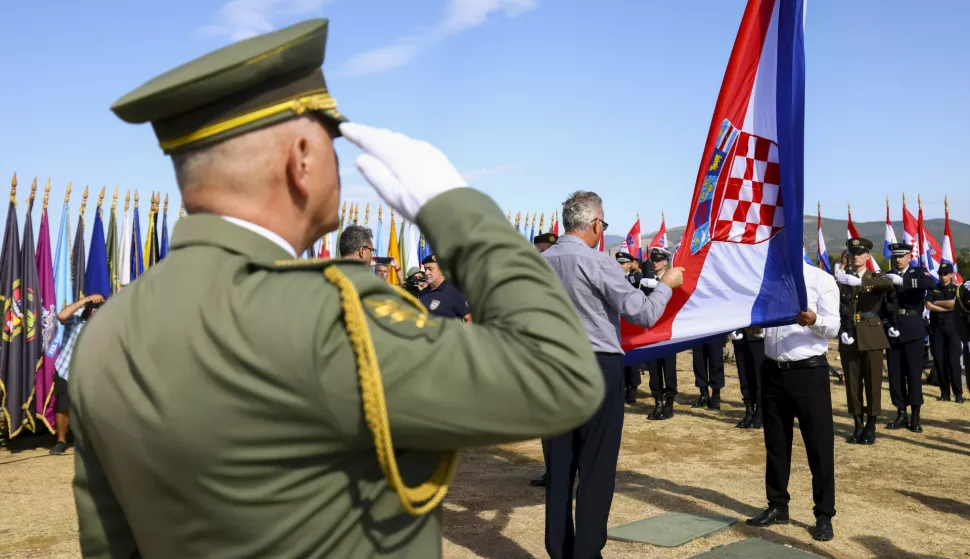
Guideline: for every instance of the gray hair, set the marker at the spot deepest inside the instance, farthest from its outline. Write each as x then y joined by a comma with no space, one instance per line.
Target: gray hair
352,238
580,209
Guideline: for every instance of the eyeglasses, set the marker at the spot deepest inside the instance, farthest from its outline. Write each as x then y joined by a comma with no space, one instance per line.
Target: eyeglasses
370,248
605,224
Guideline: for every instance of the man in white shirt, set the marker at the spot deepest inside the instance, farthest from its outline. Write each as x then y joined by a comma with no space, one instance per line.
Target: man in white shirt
794,383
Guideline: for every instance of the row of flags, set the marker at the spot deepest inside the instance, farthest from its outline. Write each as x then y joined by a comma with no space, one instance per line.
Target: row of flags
530,231
632,245
36,283
927,252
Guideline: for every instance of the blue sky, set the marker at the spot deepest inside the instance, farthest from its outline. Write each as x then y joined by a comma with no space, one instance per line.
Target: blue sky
531,99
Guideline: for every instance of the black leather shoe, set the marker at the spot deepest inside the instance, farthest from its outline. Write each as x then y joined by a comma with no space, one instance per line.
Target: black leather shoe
715,402
943,398
914,422
668,406
859,428
901,421
869,433
769,516
702,399
756,420
823,529
658,409
959,399
538,481
746,420
631,395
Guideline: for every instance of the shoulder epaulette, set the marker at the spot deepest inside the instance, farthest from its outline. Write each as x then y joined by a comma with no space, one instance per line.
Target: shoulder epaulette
304,264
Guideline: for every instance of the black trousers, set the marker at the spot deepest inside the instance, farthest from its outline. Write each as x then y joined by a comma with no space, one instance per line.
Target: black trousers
709,364
946,347
591,450
801,393
750,356
905,364
631,376
663,376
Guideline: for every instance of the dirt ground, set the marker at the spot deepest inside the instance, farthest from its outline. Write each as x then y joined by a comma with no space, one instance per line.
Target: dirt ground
907,497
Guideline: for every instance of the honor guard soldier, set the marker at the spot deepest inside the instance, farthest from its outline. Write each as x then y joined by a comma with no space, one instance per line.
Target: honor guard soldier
862,337
663,370
906,334
944,338
253,415
749,353
631,375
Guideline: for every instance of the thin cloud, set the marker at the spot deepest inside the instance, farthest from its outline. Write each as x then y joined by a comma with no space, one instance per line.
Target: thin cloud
460,15
475,175
242,19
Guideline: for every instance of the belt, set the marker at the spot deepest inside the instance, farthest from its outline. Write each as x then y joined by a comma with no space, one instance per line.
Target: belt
860,315
813,362
907,312
608,353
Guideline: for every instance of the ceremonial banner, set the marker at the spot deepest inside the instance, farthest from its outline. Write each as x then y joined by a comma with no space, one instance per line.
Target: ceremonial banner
852,232
743,248
631,245
947,253
890,237
929,249
32,337
124,259
77,258
44,394
660,239
394,251
14,394
137,264
97,277
823,253
111,245
163,250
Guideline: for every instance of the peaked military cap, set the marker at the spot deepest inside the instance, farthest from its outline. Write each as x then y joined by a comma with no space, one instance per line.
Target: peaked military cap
237,89
550,238
898,249
858,245
429,259
945,269
623,257
658,254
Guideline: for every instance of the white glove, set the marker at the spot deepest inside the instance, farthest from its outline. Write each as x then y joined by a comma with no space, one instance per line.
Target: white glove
650,282
897,279
966,284
926,314
893,333
407,173
760,333
847,279
737,336
846,339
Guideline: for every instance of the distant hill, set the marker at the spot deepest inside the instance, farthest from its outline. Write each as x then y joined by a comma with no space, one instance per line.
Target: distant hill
835,234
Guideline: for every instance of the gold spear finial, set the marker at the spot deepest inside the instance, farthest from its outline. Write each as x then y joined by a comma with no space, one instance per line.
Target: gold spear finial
47,193
13,189
904,200
533,220
542,220
165,209
367,214
84,199
946,204
380,212
114,199
887,202
136,198
67,195
33,192
510,215
127,199
181,210
518,218
392,216
101,196
919,200
343,212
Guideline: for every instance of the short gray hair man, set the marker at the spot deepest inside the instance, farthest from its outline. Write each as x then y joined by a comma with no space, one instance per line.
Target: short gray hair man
357,243
581,210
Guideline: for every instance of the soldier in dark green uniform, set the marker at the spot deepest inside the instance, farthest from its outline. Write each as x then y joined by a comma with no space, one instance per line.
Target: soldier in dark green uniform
862,337
236,401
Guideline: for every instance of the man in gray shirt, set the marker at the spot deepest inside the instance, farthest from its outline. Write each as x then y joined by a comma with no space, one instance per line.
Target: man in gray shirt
601,294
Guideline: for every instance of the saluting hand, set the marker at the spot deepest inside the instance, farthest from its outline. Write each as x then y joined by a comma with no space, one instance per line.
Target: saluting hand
673,278
407,173
848,279
896,278
806,318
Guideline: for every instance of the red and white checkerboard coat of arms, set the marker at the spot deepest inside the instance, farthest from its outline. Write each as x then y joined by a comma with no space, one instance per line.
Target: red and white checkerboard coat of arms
751,210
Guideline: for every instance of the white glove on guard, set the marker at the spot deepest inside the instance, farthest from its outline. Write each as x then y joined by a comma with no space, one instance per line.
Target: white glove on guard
407,173
650,282
846,339
847,279
897,279
737,336
893,333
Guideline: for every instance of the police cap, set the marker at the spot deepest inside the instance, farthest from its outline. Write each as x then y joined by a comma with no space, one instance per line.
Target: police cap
899,249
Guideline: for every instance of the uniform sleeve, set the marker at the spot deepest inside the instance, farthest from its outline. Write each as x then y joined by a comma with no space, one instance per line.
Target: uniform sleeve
608,279
920,279
103,530
877,282
524,369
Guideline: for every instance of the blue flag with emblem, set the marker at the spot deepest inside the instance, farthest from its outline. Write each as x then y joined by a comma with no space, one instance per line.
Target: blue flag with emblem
97,276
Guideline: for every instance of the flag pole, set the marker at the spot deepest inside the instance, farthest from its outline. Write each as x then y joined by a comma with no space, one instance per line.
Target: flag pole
13,189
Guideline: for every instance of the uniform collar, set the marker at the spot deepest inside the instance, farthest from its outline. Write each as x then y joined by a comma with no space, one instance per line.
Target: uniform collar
249,240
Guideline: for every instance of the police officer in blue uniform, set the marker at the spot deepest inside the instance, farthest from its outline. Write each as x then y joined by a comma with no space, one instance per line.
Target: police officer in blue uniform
663,370
906,332
944,338
441,297
631,375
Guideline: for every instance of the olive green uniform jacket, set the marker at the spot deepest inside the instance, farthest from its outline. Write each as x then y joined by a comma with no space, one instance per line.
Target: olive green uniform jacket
217,400
863,311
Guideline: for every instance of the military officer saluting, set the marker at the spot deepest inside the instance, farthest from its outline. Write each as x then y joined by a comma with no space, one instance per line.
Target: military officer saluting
906,333
862,337
944,337
253,415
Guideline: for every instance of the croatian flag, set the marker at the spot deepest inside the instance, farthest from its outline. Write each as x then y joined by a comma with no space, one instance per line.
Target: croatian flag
947,254
631,245
930,251
890,237
823,254
911,234
743,249
660,240
853,232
